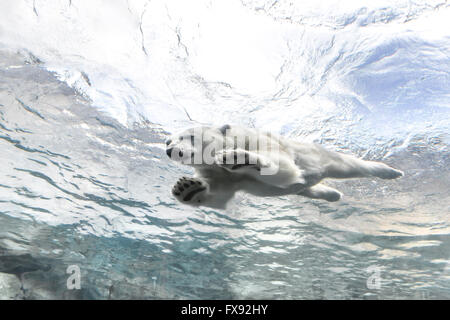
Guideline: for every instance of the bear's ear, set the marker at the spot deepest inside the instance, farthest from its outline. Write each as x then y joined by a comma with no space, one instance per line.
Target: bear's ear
224,128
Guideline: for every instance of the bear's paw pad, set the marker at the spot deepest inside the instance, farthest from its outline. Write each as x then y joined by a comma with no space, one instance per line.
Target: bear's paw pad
189,189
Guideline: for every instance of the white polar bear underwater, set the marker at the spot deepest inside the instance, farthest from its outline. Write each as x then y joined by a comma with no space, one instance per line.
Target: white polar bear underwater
231,158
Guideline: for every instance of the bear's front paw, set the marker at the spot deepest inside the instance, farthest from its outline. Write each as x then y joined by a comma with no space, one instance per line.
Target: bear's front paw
233,160
190,190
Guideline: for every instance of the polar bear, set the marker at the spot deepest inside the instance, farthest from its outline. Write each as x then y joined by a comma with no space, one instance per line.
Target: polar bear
231,158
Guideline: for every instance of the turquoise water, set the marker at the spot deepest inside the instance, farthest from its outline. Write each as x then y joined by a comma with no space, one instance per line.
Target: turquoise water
90,90
78,188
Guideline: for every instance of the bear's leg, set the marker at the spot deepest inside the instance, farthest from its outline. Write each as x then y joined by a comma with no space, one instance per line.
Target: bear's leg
273,169
190,190
236,160
320,191
345,166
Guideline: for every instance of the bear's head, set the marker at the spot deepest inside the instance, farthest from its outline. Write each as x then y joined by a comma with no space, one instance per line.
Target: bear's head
196,146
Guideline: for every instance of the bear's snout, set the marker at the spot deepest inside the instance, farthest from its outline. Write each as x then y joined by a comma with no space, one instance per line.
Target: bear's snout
169,152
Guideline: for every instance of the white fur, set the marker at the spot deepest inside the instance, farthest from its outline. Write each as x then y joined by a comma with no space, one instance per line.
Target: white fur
286,167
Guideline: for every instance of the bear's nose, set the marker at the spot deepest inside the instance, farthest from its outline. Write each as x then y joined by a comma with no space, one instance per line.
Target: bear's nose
169,152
